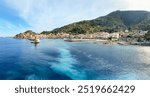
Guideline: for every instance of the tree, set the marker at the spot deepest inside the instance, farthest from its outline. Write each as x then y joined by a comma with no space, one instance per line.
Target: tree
77,30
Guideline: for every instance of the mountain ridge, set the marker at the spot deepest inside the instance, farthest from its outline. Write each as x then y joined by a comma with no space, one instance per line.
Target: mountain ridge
113,22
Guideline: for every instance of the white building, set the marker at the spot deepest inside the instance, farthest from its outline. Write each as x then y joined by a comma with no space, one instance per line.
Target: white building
103,35
114,35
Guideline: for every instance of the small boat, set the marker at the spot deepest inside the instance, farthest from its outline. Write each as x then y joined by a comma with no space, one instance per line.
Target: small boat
67,39
35,41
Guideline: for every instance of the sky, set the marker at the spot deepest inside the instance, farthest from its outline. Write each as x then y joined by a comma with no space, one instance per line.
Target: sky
17,16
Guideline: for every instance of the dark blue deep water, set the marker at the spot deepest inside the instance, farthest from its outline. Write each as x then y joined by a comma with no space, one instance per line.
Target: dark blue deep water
60,60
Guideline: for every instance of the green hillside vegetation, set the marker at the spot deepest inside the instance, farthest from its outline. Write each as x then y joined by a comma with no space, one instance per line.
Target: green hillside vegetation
26,34
30,31
113,22
75,28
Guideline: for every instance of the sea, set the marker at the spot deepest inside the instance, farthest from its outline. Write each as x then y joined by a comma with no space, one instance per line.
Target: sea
56,59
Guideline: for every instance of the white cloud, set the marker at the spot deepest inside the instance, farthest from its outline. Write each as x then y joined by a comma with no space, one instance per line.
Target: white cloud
10,28
36,14
136,4
47,15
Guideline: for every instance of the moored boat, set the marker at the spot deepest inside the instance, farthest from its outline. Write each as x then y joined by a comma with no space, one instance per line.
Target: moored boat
36,41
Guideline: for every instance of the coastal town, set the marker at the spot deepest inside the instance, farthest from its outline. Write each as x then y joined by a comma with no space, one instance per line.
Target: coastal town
126,37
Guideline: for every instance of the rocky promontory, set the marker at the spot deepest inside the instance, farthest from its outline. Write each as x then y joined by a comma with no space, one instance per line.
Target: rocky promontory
26,35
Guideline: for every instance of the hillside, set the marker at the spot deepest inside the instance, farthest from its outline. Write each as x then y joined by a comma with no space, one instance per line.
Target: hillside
113,22
27,34
117,21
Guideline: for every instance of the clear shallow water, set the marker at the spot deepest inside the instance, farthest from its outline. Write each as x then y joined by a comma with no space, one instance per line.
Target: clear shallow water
59,60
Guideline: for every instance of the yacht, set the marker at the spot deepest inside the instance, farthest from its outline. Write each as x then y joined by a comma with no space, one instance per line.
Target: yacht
35,41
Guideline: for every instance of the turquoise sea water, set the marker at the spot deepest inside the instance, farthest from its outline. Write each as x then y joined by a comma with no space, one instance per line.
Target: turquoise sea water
60,60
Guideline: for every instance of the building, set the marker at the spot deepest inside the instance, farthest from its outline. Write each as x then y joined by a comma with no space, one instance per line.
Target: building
103,35
114,35
143,32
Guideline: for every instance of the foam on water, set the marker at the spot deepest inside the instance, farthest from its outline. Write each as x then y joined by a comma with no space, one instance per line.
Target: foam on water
66,65
32,77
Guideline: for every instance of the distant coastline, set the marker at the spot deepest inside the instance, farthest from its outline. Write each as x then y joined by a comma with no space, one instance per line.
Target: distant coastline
118,27
99,38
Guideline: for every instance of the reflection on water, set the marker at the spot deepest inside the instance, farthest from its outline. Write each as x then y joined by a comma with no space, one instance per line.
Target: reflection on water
56,59
35,44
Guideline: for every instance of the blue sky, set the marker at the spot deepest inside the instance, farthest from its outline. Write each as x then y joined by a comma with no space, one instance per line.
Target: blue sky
38,15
